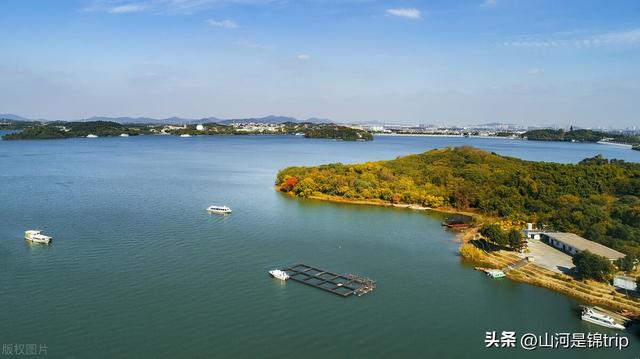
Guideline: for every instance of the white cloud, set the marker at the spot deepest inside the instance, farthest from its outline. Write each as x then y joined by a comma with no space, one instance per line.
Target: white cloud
160,6
489,3
225,24
407,13
123,9
303,57
626,37
579,40
253,45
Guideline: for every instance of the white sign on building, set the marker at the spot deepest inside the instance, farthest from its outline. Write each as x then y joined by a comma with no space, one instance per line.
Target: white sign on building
624,283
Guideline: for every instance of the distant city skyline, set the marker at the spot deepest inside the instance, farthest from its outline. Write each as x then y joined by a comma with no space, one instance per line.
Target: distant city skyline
527,62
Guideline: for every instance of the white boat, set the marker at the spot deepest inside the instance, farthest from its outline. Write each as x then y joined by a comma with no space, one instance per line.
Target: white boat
279,274
592,316
219,209
91,136
495,273
36,236
124,135
185,135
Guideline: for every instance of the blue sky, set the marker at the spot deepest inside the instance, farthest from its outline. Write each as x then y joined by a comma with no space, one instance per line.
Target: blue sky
536,62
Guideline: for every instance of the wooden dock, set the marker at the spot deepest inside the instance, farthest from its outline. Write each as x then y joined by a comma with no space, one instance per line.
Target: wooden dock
342,285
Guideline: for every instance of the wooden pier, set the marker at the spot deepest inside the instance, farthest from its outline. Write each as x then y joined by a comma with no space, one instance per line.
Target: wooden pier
342,285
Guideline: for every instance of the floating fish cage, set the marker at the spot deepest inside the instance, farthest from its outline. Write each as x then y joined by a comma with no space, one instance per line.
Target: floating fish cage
342,285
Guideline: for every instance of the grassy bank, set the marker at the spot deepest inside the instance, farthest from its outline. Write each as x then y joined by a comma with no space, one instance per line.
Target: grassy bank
589,292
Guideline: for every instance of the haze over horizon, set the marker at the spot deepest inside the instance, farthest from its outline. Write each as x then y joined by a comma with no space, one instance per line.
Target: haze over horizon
456,62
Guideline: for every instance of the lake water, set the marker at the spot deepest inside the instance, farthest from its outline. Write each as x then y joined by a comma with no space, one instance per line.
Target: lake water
139,269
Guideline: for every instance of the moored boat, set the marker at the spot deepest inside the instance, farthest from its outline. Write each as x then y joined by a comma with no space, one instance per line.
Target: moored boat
219,209
36,236
456,223
185,135
593,316
279,274
91,136
495,273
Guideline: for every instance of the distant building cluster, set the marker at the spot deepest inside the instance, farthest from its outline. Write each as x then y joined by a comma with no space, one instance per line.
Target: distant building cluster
255,127
486,130
495,130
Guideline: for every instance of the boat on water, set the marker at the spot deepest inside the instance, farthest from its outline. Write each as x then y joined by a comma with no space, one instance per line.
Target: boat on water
456,223
495,273
219,209
36,236
279,274
593,316
91,136
124,135
185,135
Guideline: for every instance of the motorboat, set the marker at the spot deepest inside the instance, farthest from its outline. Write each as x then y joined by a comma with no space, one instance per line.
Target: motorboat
36,236
592,316
495,273
219,209
279,274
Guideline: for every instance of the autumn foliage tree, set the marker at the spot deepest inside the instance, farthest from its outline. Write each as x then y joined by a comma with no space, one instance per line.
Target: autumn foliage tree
288,183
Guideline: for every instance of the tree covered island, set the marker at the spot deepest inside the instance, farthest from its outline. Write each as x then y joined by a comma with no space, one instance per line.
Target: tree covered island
60,129
579,135
597,198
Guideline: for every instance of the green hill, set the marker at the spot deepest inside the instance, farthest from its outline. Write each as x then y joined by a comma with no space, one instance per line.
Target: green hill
337,132
72,129
581,135
597,198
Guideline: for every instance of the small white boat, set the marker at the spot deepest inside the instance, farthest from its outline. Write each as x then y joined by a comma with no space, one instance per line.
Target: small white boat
219,209
592,316
36,236
185,135
495,273
279,274
91,136
124,135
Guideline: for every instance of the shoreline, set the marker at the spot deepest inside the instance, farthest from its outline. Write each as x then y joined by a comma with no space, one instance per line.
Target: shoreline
381,203
588,292
445,135
607,143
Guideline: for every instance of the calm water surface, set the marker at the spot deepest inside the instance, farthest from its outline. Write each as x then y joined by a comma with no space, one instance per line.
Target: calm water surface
139,269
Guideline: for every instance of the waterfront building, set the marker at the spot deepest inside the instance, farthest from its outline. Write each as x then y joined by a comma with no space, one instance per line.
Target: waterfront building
571,243
531,233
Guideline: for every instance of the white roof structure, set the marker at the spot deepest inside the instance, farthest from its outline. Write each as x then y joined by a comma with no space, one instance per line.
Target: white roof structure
582,244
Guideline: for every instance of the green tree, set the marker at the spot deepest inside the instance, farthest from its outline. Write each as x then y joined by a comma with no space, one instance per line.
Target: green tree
627,263
495,234
514,238
593,266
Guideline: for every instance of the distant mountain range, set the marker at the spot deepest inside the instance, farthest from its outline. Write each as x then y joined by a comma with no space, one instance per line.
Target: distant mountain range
11,117
178,120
